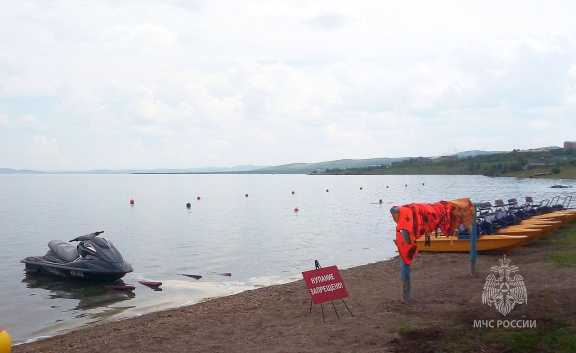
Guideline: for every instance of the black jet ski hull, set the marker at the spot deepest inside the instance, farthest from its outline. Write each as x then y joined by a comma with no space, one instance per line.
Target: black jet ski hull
36,265
93,258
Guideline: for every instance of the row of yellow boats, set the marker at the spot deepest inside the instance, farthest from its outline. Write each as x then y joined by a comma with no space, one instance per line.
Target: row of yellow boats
506,238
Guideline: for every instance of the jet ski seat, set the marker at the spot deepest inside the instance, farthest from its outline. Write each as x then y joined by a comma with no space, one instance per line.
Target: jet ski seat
64,250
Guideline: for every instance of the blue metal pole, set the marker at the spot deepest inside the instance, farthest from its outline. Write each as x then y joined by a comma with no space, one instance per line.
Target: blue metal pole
473,243
405,274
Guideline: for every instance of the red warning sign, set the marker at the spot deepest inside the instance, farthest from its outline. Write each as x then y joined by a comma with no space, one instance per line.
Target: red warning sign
325,284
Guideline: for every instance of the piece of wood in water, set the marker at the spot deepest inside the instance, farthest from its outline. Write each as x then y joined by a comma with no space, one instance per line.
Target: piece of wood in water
151,284
191,276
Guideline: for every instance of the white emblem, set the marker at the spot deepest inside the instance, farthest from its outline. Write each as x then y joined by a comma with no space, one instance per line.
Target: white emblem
504,287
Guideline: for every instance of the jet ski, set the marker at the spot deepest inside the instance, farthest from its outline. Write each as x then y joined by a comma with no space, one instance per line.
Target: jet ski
93,258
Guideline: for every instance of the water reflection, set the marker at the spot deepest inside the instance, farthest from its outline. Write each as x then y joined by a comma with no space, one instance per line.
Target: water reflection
90,295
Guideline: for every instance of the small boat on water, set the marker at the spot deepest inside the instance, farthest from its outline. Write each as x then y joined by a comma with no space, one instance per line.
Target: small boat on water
485,243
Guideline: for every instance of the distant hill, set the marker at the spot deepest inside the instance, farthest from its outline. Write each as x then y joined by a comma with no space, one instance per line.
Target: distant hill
544,149
18,171
299,168
531,163
292,168
233,169
474,153
345,164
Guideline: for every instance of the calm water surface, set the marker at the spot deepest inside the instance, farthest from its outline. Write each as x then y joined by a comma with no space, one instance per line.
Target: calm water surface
259,239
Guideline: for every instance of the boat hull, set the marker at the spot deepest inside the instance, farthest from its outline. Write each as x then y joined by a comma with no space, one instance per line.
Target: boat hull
549,224
485,243
64,272
564,217
531,233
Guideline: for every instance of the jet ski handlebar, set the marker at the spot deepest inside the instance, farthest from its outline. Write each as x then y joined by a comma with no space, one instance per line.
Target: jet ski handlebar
88,236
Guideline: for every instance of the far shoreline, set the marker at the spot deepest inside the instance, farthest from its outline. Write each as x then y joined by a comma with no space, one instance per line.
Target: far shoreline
539,177
546,177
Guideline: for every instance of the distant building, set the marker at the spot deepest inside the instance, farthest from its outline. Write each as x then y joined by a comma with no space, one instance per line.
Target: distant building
570,145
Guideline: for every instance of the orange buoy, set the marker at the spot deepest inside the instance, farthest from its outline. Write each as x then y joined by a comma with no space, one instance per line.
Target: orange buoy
5,341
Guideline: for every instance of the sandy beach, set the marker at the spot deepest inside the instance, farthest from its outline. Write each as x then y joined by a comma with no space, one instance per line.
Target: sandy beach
446,301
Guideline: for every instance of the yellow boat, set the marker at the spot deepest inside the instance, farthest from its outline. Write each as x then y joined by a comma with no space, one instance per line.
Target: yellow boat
544,223
568,210
570,213
485,243
558,214
531,233
562,216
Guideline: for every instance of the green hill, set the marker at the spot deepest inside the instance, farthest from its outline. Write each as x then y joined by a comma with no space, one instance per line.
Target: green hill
557,163
303,168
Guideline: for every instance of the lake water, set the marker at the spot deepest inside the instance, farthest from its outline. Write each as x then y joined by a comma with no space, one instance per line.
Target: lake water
259,238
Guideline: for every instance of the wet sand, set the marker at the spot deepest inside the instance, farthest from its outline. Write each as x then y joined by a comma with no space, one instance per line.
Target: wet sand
276,318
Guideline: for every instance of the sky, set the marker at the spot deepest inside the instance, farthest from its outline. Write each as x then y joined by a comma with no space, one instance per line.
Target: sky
194,83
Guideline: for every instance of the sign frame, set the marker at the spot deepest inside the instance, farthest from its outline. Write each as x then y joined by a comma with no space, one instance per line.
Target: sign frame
325,285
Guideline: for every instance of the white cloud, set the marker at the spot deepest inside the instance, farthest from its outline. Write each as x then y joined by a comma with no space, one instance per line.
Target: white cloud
146,36
327,22
3,121
45,152
540,125
178,84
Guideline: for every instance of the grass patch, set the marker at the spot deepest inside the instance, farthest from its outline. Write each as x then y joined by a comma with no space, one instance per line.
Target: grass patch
405,327
557,338
563,250
564,258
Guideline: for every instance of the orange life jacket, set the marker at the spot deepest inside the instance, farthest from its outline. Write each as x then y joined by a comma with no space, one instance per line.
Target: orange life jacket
419,219
406,247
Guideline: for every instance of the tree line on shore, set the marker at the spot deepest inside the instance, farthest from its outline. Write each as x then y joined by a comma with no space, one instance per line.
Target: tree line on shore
559,162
